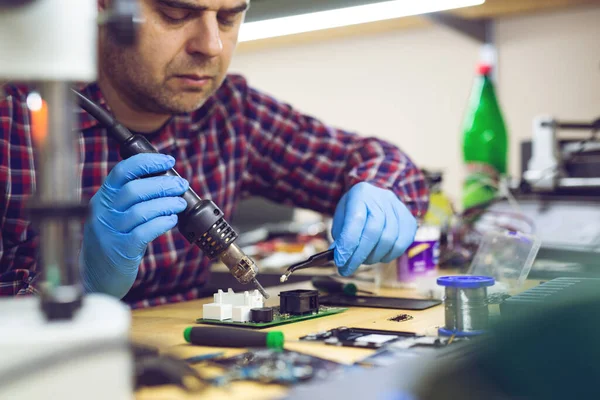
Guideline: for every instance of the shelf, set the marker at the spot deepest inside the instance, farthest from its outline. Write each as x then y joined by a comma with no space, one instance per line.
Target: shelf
476,17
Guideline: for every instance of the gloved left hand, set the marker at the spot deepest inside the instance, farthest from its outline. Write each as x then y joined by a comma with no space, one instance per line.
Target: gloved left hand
370,225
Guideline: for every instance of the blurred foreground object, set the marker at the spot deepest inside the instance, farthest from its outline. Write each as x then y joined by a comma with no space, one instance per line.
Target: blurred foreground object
547,353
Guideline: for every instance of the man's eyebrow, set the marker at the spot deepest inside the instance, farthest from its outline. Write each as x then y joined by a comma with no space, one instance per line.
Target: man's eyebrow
196,7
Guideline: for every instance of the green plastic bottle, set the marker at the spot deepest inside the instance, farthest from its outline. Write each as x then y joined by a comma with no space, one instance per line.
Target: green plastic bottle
485,142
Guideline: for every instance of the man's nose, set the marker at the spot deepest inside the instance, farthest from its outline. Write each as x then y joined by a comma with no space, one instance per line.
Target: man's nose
207,37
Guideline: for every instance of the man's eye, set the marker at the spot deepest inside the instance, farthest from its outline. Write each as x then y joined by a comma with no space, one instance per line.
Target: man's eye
227,20
176,15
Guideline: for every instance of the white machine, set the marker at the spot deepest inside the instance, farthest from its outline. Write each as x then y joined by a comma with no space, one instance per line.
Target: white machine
548,168
63,344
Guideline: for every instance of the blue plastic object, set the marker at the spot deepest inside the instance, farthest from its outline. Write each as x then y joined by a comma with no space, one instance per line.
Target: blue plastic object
466,282
128,212
370,225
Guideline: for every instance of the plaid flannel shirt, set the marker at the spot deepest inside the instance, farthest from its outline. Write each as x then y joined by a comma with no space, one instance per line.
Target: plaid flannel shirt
241,142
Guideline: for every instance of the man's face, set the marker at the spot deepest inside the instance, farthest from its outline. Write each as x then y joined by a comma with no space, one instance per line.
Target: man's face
182,55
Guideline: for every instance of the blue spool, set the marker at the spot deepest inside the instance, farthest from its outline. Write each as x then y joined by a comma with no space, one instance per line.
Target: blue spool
464,283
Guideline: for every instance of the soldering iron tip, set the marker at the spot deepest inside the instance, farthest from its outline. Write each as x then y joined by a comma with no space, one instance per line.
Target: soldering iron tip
260,288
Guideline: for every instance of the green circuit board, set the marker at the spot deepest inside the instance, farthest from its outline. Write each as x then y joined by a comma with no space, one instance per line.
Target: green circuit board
278,319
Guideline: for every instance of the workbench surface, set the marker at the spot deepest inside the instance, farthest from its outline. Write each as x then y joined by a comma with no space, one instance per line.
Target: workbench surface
163,327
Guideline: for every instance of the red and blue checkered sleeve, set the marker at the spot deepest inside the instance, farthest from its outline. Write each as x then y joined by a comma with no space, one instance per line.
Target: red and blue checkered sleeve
296,159
18,242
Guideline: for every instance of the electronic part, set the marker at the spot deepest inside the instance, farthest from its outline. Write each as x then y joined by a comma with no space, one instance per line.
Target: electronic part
401,318
357,337
281,367
278,318
216,311
252,299
241,314
231,305
299,302
264,314
396,303
414,347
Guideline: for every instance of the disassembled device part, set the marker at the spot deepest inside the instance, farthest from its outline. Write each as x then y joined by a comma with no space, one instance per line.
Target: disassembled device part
396,303
234,306
322,259
278,318
264,314
276,366
411,347
299,302
357,337
401,318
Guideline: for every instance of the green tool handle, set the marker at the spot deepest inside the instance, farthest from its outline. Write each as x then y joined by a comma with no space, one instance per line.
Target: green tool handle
329,285
232,337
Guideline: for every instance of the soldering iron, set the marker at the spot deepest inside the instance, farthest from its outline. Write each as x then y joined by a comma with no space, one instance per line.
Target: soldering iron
202,222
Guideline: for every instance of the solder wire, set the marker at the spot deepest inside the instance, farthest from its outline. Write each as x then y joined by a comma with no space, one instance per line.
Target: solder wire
466,309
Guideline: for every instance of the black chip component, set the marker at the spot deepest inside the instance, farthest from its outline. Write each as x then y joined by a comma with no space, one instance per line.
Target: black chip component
299,302
264,314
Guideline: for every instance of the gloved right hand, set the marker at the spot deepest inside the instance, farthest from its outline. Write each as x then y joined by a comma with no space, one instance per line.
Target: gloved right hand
127,213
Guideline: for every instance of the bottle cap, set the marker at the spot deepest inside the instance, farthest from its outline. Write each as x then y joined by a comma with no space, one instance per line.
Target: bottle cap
275,340
484,69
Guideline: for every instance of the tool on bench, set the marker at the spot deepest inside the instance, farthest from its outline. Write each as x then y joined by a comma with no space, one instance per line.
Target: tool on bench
330,285
465,305
202,222
323,259
232,337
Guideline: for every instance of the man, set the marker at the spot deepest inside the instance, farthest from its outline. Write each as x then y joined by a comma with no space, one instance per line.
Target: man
225,138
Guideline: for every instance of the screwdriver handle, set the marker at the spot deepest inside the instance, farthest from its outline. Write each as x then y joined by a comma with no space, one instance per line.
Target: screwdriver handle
232,337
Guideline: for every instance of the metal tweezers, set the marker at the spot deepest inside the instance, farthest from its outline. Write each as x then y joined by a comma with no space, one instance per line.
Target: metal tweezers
322,259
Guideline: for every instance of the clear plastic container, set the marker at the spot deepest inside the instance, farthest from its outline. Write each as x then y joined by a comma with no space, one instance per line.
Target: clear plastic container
507,256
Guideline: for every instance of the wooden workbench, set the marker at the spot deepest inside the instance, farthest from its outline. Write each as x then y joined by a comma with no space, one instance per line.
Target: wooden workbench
163,327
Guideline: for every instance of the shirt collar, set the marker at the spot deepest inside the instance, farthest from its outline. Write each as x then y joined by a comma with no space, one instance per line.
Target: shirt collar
92,91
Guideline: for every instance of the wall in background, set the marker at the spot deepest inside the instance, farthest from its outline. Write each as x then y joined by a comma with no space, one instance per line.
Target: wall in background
411,87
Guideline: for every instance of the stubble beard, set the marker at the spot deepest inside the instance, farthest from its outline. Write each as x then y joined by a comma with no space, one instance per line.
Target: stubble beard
125,69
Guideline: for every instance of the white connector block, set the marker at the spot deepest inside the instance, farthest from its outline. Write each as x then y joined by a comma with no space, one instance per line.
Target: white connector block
234,306
241,314
216,311
253,299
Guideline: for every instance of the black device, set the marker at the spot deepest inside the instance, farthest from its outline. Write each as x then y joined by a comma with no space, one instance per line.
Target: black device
202,222
329,285
396,303
299,302
357,337
264,314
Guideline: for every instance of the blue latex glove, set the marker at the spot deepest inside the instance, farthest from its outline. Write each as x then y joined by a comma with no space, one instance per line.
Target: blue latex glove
126,214
370,225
